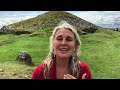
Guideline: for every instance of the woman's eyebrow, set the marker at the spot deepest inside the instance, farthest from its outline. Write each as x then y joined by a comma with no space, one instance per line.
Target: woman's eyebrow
58,36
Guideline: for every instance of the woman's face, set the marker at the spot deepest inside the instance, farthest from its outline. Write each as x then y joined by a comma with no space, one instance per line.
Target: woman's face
64,43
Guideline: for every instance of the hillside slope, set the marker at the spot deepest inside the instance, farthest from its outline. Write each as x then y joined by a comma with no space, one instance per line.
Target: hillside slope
46,22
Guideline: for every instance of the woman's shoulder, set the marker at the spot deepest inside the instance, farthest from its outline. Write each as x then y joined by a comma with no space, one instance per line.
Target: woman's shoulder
38,72
83,64
85,69
40,66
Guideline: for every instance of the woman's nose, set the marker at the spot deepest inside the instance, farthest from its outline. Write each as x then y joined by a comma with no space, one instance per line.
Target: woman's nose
63,42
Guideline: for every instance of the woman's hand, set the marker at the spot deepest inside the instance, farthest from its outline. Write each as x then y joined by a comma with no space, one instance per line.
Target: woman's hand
68,76
84,76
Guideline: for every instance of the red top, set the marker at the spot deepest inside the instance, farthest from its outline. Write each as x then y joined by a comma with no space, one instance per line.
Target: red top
38,72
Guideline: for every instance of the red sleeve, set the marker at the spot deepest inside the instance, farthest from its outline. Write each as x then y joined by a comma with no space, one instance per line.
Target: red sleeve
38,72
85,69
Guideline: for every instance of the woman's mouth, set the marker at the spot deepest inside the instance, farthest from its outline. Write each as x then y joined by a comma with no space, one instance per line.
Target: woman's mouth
63,49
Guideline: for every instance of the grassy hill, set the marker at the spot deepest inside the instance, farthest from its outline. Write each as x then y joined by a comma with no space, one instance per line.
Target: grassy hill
46,22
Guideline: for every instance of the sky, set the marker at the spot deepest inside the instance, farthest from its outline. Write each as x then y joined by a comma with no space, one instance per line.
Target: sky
101,18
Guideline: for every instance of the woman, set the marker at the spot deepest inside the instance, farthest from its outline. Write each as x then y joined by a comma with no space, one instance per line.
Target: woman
63,61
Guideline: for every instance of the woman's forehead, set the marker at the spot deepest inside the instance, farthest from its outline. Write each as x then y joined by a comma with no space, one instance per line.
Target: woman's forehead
64,31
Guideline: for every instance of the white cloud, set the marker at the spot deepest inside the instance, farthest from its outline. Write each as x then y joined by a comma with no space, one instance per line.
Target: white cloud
92,16
9,17
98,17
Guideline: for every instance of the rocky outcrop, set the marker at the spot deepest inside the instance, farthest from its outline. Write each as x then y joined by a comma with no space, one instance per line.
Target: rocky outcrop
7,30
80,24
25,57
89,29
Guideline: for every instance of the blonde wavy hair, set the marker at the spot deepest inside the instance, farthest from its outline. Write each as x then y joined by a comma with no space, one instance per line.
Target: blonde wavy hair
74,64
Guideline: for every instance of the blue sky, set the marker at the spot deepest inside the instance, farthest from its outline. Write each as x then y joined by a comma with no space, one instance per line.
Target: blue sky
96,17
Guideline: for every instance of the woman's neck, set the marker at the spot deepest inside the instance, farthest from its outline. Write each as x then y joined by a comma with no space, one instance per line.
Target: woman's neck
62,67
62,62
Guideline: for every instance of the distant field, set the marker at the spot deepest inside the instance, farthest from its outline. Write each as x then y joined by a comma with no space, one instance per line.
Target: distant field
99,50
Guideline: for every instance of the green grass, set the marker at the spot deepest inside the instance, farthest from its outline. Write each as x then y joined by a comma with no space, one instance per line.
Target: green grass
33,45
15,70
99,50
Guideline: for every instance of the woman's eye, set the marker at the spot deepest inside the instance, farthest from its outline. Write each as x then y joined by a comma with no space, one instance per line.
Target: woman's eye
59,39
69,39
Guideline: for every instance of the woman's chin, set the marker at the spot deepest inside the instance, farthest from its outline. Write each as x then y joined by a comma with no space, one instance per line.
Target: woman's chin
63,56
